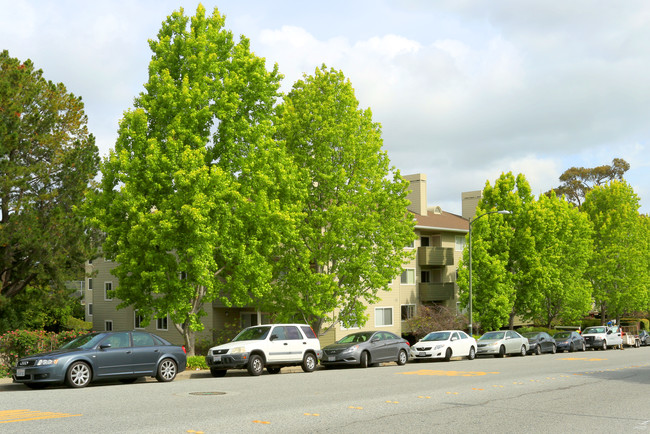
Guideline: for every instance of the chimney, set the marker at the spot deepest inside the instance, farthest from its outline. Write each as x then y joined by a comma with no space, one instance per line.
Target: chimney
418,194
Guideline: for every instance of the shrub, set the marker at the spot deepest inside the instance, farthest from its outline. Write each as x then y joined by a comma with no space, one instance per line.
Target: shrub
432,318
196,362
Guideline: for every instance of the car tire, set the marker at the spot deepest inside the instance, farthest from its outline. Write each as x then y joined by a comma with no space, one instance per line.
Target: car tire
502,352
538,350
584,347
167,371
402,358
472,354
448,354
309,362
604,346
522,353
273,369
554,349
363,360
218,372
571,348
78,375
255,365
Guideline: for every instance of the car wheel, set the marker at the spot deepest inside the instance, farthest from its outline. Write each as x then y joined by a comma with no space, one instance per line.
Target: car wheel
522,353
402,357
502,352
584,347
604,346
448,354
472,354
571,348
166,371
553,349
218,372
538,350
363,361
255,365
309,362
273,369
78,375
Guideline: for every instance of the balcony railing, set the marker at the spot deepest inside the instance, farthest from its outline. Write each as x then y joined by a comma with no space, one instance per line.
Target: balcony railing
435,256
436,291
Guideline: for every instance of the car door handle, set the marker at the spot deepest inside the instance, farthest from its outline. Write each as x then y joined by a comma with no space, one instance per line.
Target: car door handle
286,343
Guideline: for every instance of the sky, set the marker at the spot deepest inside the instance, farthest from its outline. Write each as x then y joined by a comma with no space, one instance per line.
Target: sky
464,90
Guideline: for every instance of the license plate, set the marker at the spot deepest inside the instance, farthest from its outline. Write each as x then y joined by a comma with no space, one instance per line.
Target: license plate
20,372
331,358
422,354
216,358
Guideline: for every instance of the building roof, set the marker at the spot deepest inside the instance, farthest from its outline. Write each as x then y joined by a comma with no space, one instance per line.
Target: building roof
443,221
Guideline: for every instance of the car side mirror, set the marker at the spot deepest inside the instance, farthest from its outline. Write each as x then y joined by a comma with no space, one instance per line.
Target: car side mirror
374,340
454,338
273,337
609,332
104,346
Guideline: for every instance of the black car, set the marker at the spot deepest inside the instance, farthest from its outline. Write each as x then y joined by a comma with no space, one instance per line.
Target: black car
569,341
123,356
540,342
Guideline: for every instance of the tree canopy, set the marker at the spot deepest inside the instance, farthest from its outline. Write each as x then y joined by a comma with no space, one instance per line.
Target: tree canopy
47,161
356,224
197,199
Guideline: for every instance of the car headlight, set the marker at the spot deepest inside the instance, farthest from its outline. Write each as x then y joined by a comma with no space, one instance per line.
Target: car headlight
492,344
237,350
46,362
437,347
350,349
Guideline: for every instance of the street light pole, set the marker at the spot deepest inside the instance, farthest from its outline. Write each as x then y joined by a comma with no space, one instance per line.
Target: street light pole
471,221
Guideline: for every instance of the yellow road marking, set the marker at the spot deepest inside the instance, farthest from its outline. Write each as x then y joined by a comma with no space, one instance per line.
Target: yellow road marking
264,422
355,408
452,393
311,414
424,397
589,359
392,402
22,415
447,373
195,432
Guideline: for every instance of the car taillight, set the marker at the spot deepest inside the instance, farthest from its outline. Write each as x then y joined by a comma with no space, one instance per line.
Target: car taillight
184,350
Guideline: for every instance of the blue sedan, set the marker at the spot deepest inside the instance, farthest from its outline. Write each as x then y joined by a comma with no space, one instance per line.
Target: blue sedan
123,356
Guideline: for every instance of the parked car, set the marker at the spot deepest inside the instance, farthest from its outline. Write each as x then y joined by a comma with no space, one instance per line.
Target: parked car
366,348
500,343
644,337
270,345
123,356
602,337
540,342
444,345
569,341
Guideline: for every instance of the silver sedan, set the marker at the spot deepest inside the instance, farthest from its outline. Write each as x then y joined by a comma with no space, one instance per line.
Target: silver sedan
500,343
366,348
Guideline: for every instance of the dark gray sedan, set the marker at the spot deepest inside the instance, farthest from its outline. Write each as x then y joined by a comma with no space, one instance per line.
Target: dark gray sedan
540,342
569,341
123,356
366,348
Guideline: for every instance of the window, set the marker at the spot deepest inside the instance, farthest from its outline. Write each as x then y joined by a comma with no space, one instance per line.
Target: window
138,320
108,326
383,316
90,309
425,276
108,291
408,311
142,340
118,340
424,241
249,319
161,323
460,243
90,283
408,277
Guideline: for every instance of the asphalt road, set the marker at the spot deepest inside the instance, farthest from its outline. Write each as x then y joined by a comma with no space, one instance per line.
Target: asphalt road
589,392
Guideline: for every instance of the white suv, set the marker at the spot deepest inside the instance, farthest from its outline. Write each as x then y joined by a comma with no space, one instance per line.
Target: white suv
270,345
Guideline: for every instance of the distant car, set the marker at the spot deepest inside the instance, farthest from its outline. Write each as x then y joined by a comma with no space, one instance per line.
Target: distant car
602,337
569,341
272,345
123,356
365,348
500,343
644,337
444,345
540,342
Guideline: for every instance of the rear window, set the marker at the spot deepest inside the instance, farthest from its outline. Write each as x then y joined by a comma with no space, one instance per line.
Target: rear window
308,332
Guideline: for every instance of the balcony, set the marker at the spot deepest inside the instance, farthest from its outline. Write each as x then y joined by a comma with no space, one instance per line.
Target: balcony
435,256
436,291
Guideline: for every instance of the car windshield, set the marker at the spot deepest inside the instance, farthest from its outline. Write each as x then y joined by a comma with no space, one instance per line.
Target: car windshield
492,335
86,341
356,337
530,335
253,334
437,336
594,330
563,335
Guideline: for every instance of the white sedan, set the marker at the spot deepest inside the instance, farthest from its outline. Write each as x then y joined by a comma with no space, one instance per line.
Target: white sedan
445,345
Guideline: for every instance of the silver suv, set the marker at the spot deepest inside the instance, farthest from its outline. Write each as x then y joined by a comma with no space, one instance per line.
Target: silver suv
270,345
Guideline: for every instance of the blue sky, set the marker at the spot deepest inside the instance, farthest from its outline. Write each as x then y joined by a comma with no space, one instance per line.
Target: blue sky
464,90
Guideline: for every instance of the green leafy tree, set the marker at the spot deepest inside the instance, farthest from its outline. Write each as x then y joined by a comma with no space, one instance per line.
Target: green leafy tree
619,267
356,225
503,254
563,245
197,199
578,181
47,162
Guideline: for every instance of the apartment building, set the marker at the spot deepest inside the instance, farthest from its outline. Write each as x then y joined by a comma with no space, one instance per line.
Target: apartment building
430,278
